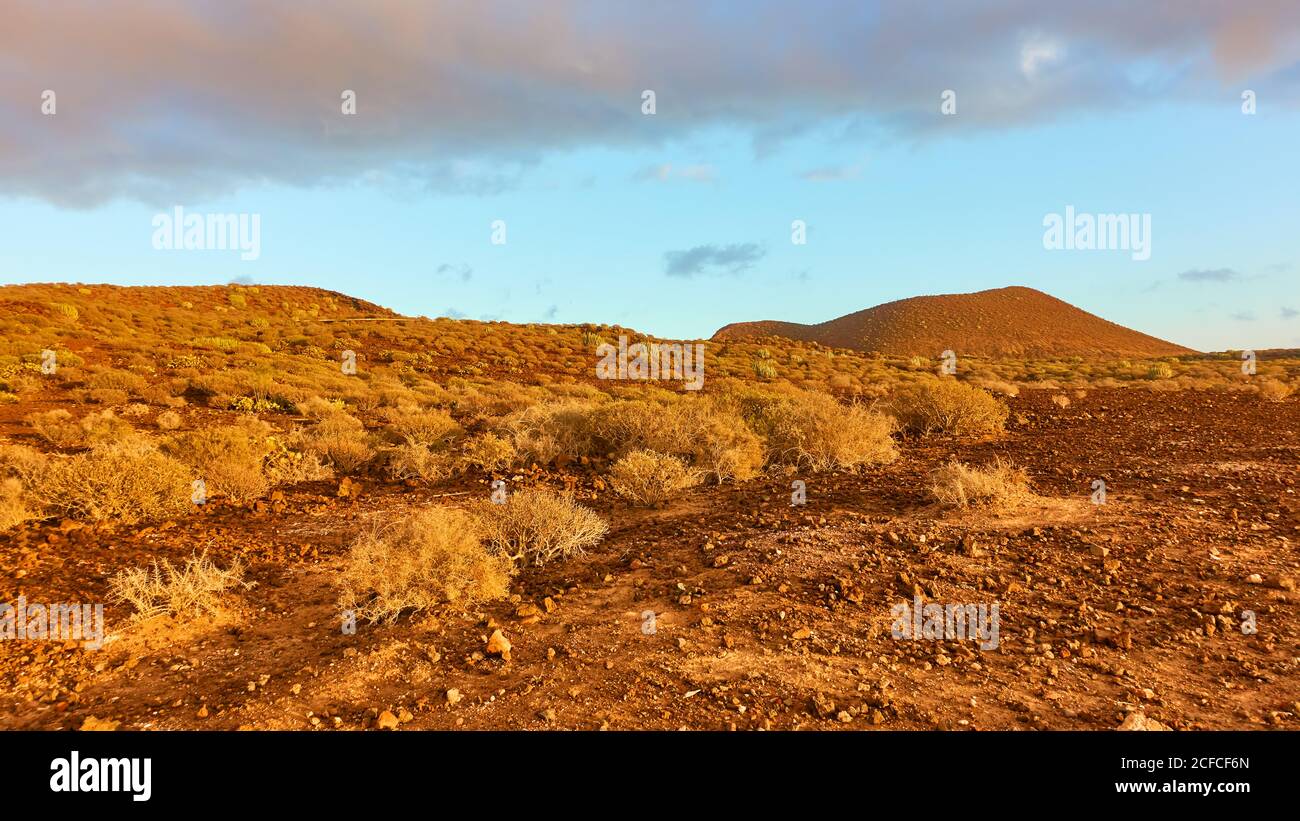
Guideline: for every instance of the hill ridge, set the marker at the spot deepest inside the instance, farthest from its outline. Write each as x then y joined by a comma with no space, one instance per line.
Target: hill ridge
1015,321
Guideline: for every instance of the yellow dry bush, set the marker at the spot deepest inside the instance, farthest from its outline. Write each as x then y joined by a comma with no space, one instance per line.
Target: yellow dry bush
997,386
128,481
1273,390
60,429
534,527
15,503
814,430
487,452
168,420
996,485
542,433
434,428
341,441
713,438
648,478
193,589
417,461
229,459
947,406
432,557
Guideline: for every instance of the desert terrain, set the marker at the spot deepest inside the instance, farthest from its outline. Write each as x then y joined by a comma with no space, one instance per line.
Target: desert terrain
410,523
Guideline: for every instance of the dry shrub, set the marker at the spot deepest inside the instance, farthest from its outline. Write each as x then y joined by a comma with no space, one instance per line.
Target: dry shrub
542,433
948,406
995,485
15,504
488,452
129,481
315,407
433,557
434,428
289,467
1273,390
193,589
60,429
21,469
1061,400
417,461
341,440
168,420
104,427
533,527
1160,370
228,459
123,382
107,396
648,478
998,387
814,430
712,437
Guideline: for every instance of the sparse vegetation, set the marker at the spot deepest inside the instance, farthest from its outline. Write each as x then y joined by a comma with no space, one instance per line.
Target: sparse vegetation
648,478
128,481
435,556
948,406
534,527
196,588
996,485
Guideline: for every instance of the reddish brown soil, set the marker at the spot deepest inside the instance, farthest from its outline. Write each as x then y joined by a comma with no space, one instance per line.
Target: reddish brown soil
1004,322
767,615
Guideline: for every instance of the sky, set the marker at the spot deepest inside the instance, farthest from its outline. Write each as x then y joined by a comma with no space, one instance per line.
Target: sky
499,160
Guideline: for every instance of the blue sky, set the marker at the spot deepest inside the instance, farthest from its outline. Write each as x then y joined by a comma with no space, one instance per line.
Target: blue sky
898,198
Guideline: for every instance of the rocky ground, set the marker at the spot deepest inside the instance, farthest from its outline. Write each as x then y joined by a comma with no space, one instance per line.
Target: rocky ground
733,609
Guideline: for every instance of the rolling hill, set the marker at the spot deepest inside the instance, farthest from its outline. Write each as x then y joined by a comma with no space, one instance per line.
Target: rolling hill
1003,322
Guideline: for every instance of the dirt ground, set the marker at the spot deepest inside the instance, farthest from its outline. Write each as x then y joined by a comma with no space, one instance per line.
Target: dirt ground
734,609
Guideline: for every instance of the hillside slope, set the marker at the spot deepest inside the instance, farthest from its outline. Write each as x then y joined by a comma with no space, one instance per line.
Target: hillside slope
1004,322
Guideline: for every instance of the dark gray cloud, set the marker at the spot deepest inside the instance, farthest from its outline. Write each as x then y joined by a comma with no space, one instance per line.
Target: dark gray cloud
1288,313
1245,316
169,101
712,259
1209,275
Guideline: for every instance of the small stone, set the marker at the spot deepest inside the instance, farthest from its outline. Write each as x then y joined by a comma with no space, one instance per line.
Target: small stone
92,724
822,706
1139,722
453,696
802,633
386,721
499,645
